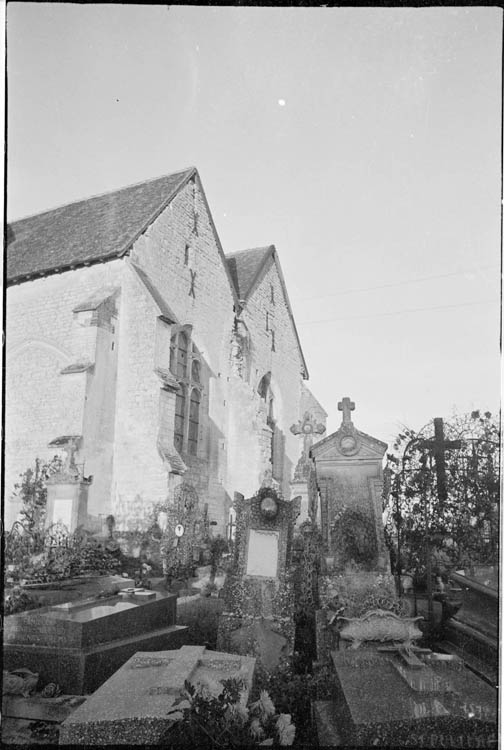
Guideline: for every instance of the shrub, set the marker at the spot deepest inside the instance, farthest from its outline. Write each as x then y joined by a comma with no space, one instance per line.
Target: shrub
19,601
214,715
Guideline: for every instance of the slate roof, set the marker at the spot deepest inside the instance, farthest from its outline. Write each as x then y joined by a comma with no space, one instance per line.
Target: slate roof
87,231
245,267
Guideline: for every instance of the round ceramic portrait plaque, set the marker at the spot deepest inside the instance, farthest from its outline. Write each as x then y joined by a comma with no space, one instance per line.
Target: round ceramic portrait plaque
179,529
269,507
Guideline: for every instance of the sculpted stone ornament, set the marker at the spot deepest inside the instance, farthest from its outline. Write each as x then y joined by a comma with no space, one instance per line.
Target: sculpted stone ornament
348,440
380,625
308,426
70,445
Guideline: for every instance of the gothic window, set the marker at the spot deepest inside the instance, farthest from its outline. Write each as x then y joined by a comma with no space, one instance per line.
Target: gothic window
273,341
277,449
272,294
185,365
195,371
178,354
194,406
187,253
180,403
267,321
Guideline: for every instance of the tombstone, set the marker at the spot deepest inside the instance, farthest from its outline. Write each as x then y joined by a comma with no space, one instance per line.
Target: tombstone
185,530
302,483
395,694
350,478
258,592
67,490
132,706
355,563
79,644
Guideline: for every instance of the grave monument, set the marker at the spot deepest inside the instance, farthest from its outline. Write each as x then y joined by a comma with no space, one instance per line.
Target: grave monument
67,490
392,694
258,592
79,644
302,483
132,707
355,567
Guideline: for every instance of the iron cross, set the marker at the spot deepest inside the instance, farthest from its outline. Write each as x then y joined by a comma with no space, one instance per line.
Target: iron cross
346,406
437,447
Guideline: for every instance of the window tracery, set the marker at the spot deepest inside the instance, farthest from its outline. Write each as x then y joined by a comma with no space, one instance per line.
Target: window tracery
185,365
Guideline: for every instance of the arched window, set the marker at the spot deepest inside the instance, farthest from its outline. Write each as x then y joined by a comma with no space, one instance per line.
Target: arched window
180,404
185,365
178,354
192,439
277,450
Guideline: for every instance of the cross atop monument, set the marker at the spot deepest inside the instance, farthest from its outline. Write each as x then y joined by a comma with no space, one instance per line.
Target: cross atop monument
437,447
346,406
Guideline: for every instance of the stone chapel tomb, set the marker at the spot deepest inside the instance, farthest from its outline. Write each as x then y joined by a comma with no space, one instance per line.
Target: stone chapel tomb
350,479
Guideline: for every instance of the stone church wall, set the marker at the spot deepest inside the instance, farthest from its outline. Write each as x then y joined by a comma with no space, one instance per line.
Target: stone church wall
118,405
264,314
140,478
43,337
194,283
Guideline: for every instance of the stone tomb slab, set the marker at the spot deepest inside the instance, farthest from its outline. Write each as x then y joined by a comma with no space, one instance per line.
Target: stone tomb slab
381,700
48,594
78,645
132,706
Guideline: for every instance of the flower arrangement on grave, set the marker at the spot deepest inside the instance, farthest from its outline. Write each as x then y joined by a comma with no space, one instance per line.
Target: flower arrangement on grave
354,533
214,714
18,600
350,601
63,556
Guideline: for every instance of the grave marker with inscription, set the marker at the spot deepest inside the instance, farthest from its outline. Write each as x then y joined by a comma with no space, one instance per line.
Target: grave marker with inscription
132,706
258,592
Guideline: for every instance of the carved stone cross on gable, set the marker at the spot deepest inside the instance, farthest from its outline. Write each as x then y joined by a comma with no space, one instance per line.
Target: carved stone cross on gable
437,447
346,406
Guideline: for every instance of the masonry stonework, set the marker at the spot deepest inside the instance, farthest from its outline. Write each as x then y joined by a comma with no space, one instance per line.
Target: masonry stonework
90,350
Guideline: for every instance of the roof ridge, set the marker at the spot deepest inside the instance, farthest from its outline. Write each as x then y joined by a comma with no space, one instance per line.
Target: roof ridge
101,195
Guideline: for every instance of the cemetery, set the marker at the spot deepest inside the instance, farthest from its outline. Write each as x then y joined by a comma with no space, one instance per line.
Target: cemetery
300,628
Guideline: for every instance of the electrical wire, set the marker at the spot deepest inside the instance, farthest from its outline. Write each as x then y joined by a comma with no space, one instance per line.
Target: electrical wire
398,312
394,284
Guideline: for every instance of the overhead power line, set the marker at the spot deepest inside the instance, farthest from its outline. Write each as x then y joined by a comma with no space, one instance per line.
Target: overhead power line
399,312
418,280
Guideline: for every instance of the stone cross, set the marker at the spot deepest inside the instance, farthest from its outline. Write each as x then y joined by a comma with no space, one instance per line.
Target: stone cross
437,448
346,406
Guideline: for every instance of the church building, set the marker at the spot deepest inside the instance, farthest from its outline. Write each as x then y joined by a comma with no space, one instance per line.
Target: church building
135,343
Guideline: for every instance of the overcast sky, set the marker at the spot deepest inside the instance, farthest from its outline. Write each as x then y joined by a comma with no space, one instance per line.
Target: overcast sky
363,142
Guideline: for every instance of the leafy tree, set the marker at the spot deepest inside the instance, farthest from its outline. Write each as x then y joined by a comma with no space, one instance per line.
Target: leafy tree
32,491
463,528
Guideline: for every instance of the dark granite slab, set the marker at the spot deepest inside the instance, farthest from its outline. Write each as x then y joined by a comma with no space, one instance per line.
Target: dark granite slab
72,589
382,701
90,622
81,671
